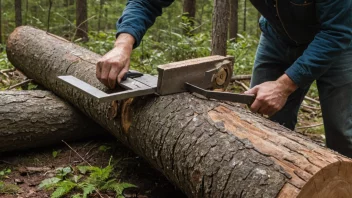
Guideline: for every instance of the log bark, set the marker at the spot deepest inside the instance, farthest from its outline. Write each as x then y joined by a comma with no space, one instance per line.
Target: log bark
30,119
207,148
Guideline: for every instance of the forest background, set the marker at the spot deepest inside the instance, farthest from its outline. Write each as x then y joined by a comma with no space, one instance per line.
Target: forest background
182,32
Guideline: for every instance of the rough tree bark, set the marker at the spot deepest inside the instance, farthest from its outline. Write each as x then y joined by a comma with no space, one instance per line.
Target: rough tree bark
189,11
0,27
207,148
233,22
18,13
101,5
81,19
30,119
220,27
245,16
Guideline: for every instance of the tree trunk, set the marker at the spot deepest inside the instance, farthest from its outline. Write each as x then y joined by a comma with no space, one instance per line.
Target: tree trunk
206,147
0,27
233,19
220,27
245,16
18,13
100,14
189,11
30,119
81,20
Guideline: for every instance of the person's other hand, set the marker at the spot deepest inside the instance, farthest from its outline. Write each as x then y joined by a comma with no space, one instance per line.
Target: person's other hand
271,96
115,64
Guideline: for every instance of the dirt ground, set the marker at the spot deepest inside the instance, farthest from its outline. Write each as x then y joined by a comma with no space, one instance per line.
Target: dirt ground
131,168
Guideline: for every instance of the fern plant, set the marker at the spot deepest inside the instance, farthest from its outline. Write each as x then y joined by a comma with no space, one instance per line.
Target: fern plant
85,180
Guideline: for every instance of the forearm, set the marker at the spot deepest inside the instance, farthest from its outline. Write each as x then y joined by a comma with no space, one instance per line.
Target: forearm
124,39
288,85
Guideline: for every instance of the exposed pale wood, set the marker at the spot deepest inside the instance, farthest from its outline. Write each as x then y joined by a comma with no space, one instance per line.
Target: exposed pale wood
207,148
302,160
310,126
242,84
19,84
311,100
241,77
311,107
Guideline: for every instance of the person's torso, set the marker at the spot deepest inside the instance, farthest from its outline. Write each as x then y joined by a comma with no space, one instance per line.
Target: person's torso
293,20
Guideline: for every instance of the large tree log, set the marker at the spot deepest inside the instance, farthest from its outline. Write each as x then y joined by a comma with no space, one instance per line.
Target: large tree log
30,119
207,148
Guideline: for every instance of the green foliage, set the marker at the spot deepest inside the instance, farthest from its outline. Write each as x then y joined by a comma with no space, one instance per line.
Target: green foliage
113,185
95,180
6,188
50,182
104,148
4,62
4,172
243,50
56,152
63,188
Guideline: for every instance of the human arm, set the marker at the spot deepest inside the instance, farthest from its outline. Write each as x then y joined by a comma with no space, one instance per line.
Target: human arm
137,17
334,37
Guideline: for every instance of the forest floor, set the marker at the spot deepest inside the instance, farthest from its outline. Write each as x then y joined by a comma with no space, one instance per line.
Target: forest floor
128,168
16,168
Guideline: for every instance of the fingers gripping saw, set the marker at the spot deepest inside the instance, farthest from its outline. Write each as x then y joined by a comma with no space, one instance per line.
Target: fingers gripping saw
194,75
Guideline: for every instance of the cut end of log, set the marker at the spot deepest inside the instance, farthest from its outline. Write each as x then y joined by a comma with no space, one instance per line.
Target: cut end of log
334,180
314,172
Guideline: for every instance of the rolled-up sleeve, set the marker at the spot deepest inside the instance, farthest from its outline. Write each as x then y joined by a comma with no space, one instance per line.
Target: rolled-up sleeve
138,16
334,37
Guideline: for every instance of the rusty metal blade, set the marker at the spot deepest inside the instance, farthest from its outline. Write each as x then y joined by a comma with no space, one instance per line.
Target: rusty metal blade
232,97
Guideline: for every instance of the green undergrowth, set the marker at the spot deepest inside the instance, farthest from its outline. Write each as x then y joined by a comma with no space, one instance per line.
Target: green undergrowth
7,188
82,181
4,62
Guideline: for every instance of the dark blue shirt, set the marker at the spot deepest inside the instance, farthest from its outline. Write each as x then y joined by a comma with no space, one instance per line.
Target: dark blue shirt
328,32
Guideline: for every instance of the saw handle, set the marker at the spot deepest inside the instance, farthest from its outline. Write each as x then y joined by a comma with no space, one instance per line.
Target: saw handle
131,74
232,97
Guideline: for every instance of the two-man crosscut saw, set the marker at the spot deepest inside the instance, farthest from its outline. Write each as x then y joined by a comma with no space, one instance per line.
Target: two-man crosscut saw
194,75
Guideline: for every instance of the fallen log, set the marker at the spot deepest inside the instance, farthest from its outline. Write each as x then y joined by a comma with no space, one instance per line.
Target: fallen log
207,148
30,119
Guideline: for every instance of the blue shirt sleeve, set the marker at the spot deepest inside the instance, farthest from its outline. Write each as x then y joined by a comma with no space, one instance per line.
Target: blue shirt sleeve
334,37
138,16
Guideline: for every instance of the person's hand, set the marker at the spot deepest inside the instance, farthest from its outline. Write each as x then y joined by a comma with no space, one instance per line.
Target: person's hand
271,96
115,64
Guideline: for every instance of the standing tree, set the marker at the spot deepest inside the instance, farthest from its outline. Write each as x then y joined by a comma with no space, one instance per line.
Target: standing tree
102,2
18,13
220,27
81,20
26,14
245,16
189,12
233,30
0,28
